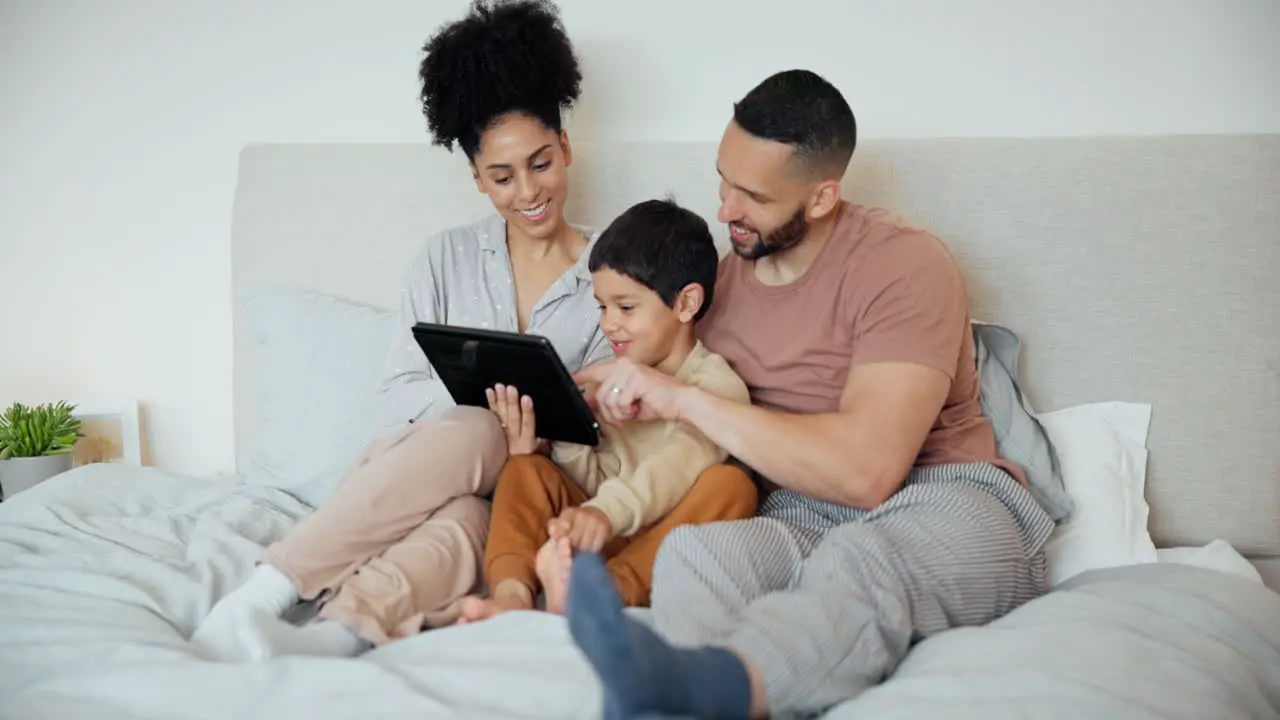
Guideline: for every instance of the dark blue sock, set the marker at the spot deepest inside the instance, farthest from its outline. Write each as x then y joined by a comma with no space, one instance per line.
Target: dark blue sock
642,675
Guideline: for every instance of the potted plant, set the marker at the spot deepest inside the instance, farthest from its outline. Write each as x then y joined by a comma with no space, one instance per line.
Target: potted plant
35,444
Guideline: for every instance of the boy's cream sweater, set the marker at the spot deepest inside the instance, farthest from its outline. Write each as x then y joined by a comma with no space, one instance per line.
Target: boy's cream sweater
641,470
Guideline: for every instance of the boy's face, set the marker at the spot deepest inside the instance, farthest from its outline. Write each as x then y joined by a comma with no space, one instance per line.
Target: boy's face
637,322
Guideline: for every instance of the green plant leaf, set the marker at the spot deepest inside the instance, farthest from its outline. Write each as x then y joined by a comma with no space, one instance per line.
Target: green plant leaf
50,429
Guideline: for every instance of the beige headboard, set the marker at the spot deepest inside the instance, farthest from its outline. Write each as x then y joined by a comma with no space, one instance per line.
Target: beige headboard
1133,268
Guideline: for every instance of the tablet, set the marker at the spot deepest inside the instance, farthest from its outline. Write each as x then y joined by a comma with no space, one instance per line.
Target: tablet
469,361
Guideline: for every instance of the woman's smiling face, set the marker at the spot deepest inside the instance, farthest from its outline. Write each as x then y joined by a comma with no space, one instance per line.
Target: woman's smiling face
523,166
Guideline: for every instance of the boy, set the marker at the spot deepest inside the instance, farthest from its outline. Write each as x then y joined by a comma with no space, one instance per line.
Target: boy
654,271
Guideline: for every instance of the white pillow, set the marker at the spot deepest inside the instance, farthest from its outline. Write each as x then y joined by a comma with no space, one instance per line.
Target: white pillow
1102,450
1217,555
317,361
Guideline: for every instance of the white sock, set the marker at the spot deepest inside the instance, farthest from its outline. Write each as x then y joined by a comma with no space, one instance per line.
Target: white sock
324,638
229,632
267,589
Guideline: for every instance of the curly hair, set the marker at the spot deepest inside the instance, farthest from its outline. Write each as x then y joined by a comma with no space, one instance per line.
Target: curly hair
504,56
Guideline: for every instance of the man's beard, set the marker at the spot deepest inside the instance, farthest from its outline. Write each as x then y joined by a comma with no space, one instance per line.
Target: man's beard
784,237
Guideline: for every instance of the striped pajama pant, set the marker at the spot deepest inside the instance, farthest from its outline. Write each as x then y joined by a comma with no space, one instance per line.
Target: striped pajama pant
825,600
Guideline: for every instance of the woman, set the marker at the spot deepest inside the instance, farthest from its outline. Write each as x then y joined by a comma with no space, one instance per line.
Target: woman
400,541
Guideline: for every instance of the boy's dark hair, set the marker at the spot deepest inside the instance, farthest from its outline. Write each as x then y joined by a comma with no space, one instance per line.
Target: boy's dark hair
662,246
503,57
801,109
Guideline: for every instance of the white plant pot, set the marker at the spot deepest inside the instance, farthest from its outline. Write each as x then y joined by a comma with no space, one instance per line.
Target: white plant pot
18,474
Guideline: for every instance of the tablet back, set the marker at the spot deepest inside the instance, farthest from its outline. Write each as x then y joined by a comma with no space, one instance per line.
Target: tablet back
469,360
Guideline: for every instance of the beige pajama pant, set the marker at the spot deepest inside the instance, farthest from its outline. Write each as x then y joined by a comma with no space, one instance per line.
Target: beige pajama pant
401,541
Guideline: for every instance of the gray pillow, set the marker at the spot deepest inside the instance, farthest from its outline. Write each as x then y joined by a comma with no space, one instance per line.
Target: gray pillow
1019,435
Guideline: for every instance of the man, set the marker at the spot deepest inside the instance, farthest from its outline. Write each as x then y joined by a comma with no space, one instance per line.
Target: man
894,517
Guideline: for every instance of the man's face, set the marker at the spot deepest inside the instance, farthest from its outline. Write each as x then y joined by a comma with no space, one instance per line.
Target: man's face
761,200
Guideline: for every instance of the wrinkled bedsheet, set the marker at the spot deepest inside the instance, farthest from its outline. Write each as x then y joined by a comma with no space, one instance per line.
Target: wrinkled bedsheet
105,571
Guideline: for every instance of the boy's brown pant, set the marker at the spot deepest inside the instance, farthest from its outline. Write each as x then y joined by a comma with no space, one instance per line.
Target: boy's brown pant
399,543
532,490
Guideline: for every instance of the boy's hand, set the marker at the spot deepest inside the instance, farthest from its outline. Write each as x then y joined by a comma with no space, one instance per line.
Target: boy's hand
585,527
516,415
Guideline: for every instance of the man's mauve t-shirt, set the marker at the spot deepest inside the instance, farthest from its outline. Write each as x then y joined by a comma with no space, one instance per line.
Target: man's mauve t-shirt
879,291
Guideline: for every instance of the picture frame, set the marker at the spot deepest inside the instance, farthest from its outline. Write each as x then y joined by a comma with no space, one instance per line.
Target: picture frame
112,433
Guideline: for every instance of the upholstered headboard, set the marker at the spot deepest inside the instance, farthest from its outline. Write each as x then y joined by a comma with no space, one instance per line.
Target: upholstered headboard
1136,269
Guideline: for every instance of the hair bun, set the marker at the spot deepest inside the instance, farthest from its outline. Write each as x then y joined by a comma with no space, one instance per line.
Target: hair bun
503,56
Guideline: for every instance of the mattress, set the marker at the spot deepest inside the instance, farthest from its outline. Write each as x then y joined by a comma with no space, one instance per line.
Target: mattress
105,571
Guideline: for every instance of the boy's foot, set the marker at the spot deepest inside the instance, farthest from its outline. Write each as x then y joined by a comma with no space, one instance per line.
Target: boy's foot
507,596
554,563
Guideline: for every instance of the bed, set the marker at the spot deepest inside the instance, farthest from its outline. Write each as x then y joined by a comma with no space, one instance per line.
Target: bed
1138,273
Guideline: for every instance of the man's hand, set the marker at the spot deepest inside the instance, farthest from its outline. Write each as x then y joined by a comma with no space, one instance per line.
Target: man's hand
626,390
585,527
516,415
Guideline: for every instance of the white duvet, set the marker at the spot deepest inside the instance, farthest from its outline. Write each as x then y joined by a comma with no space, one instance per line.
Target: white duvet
104,572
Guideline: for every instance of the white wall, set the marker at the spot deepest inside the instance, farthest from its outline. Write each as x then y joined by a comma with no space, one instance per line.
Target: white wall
120,123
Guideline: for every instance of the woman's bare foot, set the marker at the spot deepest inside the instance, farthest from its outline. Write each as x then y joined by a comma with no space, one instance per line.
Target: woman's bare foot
555,560
508,595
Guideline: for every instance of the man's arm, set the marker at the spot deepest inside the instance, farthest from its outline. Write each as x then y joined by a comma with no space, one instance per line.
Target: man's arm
908,337
911,320
857,456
